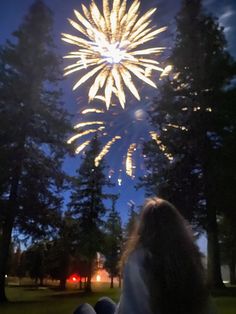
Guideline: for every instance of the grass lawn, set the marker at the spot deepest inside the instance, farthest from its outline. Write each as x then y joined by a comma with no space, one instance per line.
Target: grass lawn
226,305
26,300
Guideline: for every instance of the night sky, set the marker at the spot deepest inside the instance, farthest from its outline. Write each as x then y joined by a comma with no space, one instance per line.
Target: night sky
12,13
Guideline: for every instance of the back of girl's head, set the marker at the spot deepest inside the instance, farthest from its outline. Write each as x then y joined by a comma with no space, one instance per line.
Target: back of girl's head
161,223
175,275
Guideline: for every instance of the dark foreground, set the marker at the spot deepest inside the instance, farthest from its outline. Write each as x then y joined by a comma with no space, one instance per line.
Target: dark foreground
28,300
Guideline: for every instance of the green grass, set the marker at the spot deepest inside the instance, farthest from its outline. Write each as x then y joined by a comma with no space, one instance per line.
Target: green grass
226,305
28,300
25,300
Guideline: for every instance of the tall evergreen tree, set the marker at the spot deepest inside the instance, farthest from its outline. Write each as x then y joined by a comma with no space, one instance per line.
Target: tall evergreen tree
87,205
187,116
62,249
35,262
33,130
113,242
132,220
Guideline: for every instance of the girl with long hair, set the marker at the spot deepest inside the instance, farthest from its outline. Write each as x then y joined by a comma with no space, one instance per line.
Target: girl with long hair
162,267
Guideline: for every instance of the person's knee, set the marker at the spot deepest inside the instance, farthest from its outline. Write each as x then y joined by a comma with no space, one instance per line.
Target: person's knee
105,306
84,309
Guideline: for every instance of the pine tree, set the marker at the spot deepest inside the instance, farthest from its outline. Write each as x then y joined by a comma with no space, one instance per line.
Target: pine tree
33,131
62,249
35,262
113,242
187,116
87,205
132,220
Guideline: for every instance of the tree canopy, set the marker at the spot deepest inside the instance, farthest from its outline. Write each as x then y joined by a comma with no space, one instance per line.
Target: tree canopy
194,119
33,132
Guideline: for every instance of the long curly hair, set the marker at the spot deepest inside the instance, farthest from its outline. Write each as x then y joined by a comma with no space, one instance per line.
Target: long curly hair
175,274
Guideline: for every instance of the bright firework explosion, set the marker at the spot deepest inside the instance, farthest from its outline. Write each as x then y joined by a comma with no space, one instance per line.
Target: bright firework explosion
121,131
107,48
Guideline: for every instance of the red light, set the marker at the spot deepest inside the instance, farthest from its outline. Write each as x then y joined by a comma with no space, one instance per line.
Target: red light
73,278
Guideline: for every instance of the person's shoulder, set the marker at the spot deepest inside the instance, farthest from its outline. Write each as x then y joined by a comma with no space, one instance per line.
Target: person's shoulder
138,256
138,253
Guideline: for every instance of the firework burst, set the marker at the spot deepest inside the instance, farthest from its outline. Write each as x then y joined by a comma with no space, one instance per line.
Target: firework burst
122,131
107,49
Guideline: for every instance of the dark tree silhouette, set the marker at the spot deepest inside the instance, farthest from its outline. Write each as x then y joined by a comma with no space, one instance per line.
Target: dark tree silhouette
32,133
88,207
192,119
113,242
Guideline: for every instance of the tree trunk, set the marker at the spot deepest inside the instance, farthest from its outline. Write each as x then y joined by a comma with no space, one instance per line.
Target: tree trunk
5,242
119,281
9,217
36,281
213,251
63,283
80,284
112,282
232,274
88,287
41,281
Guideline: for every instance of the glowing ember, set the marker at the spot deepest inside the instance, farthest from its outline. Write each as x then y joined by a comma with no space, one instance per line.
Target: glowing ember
105,150
129,160
162,147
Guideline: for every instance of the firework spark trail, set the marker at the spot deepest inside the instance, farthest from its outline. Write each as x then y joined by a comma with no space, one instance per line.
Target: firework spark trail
107,48
106,149
166,71
84,124
129,160
75,137
129,155
82,147
120,126
176,126
162,147
92,110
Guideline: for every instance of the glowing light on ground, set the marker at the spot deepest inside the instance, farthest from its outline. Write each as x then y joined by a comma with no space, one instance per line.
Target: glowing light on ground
107,49
74,278
98,278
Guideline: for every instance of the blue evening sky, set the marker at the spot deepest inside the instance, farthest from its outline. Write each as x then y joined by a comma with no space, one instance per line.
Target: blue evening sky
13,11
